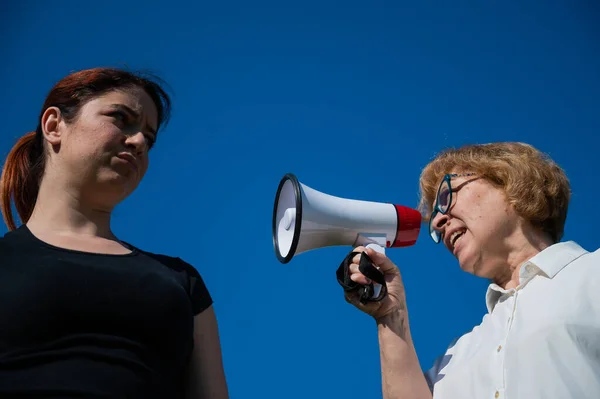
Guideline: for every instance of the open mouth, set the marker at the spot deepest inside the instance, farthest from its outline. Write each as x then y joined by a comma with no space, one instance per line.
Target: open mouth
457,235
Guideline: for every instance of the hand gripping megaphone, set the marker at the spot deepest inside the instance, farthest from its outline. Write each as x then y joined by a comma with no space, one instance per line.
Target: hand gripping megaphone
305,219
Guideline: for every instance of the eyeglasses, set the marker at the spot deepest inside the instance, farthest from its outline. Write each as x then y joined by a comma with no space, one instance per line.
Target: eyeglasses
443,200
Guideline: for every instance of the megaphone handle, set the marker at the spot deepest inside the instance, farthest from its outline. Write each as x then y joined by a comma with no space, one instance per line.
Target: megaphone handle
381,250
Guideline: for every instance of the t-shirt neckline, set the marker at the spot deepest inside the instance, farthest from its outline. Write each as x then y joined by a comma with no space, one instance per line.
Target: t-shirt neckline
26,231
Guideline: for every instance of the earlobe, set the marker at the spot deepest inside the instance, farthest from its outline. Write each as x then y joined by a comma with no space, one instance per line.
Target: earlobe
50,123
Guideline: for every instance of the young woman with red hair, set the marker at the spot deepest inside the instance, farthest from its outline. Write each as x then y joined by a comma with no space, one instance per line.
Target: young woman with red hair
82,312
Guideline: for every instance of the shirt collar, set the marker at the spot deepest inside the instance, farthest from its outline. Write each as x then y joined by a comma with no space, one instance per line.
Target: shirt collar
548,262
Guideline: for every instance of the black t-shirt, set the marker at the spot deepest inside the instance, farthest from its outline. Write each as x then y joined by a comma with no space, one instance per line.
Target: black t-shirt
77,324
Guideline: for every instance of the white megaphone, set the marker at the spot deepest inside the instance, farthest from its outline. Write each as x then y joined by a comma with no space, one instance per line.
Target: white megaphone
306,219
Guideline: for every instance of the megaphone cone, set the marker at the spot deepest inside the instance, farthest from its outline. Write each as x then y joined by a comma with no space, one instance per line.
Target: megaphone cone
306,219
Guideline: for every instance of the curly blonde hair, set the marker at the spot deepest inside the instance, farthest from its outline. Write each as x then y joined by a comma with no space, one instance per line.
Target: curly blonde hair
534,184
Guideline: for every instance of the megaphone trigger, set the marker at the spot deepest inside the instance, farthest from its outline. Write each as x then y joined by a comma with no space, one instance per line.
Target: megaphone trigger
372,292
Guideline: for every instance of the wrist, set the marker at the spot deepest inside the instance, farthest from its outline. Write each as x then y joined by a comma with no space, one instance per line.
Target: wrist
391,316
394,322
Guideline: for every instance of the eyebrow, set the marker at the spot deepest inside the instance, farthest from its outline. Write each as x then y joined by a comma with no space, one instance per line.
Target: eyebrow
134,114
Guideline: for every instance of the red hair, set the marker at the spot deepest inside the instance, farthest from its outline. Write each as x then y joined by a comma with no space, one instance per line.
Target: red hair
24,166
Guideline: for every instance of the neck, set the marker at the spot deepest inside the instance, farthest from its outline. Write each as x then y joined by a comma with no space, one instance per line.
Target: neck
61,208
532,243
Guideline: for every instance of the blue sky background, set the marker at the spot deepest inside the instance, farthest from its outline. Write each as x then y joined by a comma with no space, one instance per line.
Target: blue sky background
352,97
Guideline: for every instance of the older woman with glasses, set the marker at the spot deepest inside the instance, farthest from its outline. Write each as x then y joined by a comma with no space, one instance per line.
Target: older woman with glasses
500,209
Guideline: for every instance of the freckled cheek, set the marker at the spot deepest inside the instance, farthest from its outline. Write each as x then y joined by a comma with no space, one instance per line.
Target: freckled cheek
470,206
107,138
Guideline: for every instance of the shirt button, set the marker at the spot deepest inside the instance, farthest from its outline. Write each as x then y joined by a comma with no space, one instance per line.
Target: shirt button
497,395
499,348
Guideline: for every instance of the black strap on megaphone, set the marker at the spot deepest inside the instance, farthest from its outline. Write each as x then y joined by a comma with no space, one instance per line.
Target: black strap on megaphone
367,268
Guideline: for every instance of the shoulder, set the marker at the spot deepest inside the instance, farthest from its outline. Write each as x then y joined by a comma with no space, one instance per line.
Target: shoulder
195,285
172,262
12,236
588,261
3,244
568,260
594,255
15,239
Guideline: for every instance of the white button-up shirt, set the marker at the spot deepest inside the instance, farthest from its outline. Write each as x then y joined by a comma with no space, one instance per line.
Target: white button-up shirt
540,340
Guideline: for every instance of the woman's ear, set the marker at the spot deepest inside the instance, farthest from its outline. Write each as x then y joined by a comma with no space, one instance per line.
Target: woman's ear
51,125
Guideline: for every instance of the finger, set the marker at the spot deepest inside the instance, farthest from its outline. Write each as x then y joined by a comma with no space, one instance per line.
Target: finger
357,276
383,262
355,270
360,250
360,278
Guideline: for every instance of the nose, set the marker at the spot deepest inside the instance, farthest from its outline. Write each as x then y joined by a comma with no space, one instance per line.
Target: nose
137,142
439,222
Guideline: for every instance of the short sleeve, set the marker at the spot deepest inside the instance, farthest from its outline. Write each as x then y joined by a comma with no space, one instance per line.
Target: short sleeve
199,294
194,284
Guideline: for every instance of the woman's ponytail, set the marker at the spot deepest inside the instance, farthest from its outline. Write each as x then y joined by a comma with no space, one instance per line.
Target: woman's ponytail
20,179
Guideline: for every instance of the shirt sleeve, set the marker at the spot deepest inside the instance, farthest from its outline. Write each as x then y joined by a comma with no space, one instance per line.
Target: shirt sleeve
199,294
189,276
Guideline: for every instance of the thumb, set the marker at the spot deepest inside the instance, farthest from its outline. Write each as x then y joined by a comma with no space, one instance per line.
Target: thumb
384,263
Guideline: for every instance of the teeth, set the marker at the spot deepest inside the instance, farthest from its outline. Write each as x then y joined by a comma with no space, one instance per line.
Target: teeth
455,237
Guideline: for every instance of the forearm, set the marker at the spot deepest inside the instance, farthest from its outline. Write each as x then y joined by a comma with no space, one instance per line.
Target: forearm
401,374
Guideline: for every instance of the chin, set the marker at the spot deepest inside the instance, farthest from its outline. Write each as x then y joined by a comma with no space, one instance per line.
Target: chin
467,268
115,189
468,264
118,178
